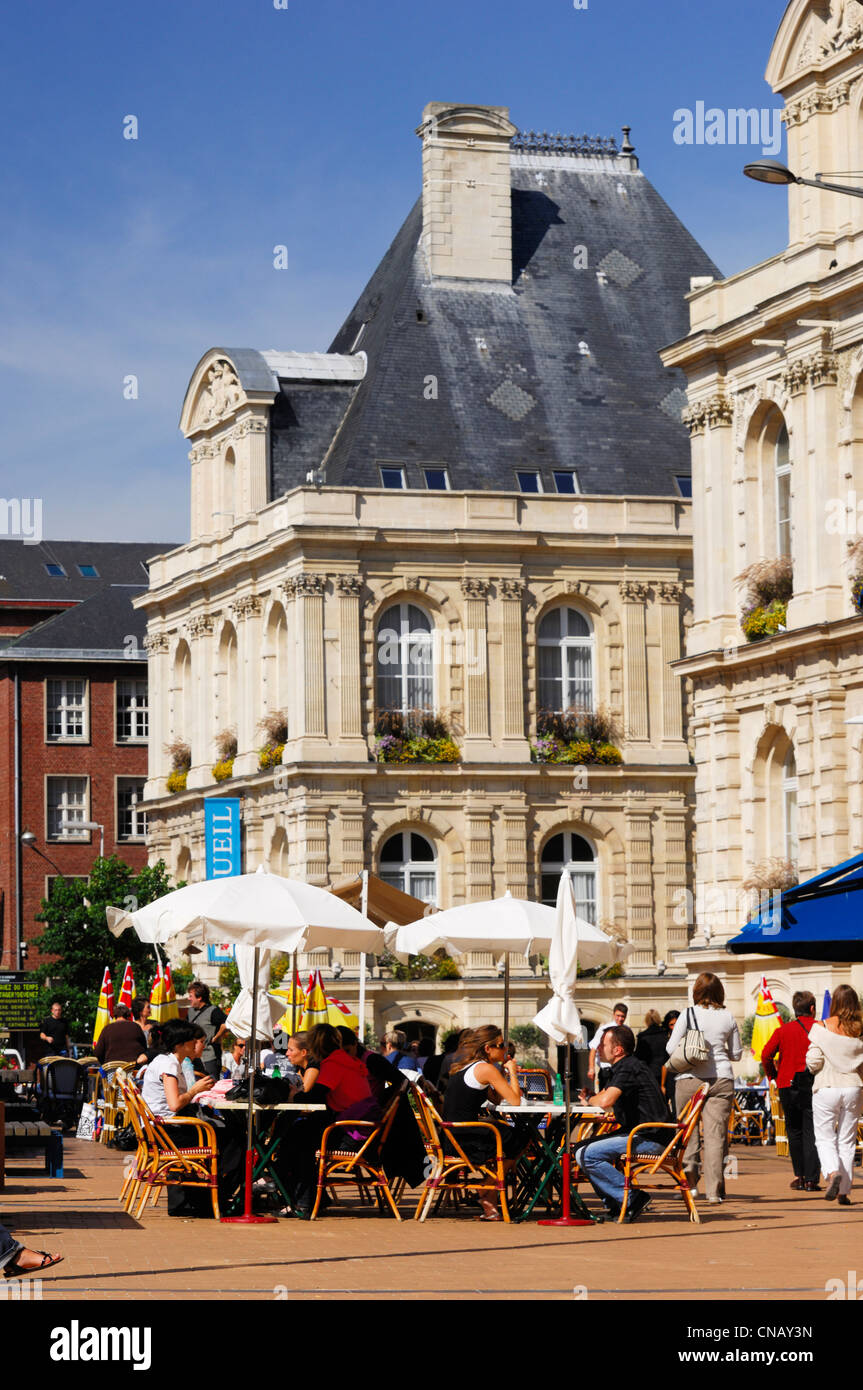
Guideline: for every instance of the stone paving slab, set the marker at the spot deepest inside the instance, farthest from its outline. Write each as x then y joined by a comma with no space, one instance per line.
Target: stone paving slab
764,1243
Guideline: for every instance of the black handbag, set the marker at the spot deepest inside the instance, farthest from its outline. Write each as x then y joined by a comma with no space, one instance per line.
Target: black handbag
125,1139
269,1090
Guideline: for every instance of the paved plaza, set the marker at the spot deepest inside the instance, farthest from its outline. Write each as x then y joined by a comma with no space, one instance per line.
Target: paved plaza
764,1243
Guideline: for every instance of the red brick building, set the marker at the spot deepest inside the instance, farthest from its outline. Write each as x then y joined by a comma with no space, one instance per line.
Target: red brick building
73,721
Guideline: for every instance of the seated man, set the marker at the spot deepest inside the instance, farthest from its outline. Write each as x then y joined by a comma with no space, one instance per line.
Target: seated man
123,1040
634,1096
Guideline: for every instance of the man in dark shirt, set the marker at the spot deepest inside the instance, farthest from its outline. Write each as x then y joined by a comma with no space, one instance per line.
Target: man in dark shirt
123,1040
634,1096
55,1032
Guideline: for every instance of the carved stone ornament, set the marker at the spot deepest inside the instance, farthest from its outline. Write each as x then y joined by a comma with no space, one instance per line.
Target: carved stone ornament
305,584
349,584
201,625
511,588
670,592
248,606
825,100
821,369
254,425
221,395
475,588
708,414
844,28
156,642
634,591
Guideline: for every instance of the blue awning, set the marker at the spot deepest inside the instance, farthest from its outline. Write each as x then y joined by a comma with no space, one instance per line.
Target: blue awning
821,919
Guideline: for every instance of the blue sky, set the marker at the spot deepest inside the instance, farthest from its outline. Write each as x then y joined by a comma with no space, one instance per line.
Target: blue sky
260,127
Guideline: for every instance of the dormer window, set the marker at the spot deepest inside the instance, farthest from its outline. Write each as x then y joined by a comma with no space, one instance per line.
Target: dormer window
529,480
565,481
88,571
437,479
55,571
393,477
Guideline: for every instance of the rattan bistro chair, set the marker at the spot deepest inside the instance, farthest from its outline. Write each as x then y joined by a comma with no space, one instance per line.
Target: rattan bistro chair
453,1173
159,1162
746,1126
636,1166
361,1166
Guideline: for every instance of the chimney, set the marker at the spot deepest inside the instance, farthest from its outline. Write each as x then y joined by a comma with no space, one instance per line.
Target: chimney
467,200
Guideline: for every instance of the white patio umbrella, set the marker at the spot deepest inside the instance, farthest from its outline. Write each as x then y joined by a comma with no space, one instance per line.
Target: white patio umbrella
259,910
576,943
501,925
270,1007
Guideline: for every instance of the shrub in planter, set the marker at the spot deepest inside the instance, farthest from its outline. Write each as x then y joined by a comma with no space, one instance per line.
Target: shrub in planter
226,749
181,760
761,622
275,727
270,755
177,780
768,588
391,749
857,594
223,770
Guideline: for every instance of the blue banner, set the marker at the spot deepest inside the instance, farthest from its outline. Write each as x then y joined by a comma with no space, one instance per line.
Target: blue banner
222,835
221,954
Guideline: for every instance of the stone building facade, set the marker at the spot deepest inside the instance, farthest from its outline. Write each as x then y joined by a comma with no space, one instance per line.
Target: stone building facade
475,505
774,362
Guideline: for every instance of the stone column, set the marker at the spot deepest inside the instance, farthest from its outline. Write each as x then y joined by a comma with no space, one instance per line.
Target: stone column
639,886
253,460
819,578
478,876
670,596
246,616
350,587
475,593
672,930
199,631
158,695
829,794
634,596
511,592
308,590
715,563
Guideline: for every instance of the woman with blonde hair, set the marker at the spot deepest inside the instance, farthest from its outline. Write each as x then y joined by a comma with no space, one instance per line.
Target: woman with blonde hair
835,1055
480,1072
709,1015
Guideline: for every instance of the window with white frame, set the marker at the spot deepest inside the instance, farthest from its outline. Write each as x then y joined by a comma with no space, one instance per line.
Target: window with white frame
66,804
404,657
572,854
66,710
408,862
132,711
565,642
131,816
783,493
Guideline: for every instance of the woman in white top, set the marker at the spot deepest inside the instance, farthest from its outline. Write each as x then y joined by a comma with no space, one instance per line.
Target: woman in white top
720,1030
164,1087
835,1055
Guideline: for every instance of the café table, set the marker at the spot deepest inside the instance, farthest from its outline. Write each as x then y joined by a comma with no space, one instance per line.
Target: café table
266,1143
538,1176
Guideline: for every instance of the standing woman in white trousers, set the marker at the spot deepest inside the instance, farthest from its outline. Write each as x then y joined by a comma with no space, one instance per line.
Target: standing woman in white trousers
835,1055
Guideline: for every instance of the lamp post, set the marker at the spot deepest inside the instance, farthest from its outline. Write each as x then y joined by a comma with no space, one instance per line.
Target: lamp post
771,171
67,825
29,839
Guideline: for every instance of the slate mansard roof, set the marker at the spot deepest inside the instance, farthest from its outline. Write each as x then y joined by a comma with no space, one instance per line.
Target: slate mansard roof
513,387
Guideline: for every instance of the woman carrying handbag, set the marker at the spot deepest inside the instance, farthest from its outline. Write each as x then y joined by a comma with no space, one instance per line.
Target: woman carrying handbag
704,1043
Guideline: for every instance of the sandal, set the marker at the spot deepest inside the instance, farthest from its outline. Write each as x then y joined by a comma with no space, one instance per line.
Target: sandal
16,1271
489,1216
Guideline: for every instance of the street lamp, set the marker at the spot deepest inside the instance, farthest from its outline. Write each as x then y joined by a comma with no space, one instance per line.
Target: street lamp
771,171
29,839
87,825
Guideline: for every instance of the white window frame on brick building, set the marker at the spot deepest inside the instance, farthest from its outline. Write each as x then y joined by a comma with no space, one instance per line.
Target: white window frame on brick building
132,709
131,813
66,711
66,799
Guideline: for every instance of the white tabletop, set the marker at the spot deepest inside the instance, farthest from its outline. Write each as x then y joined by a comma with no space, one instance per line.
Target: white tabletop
547,1107
219,1103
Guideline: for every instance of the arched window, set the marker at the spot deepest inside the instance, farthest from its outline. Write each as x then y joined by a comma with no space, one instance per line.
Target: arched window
566,661
789,806
227,679
276,660
405,667
572,854
181,724
782,473
408,862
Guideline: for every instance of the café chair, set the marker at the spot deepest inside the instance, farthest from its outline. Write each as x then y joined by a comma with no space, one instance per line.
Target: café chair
453,1173
746,1126
63,1090
160,1163
340,1165
636,1167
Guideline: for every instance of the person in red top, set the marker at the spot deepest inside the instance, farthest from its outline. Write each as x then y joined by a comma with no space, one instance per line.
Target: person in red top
343,1076
789,1044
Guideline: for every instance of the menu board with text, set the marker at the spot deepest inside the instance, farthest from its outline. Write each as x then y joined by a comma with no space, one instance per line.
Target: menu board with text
19,997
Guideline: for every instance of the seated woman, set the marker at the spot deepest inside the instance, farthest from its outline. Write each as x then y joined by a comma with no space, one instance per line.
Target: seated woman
381,1073
193,1070
167,1093
478,1074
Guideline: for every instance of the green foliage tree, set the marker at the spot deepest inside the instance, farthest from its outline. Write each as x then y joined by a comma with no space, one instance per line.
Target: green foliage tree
76,934
440,966
229,977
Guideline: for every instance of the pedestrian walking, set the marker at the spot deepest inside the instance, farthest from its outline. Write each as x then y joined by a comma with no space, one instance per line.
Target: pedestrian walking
835,1056
708,1148
788,1047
